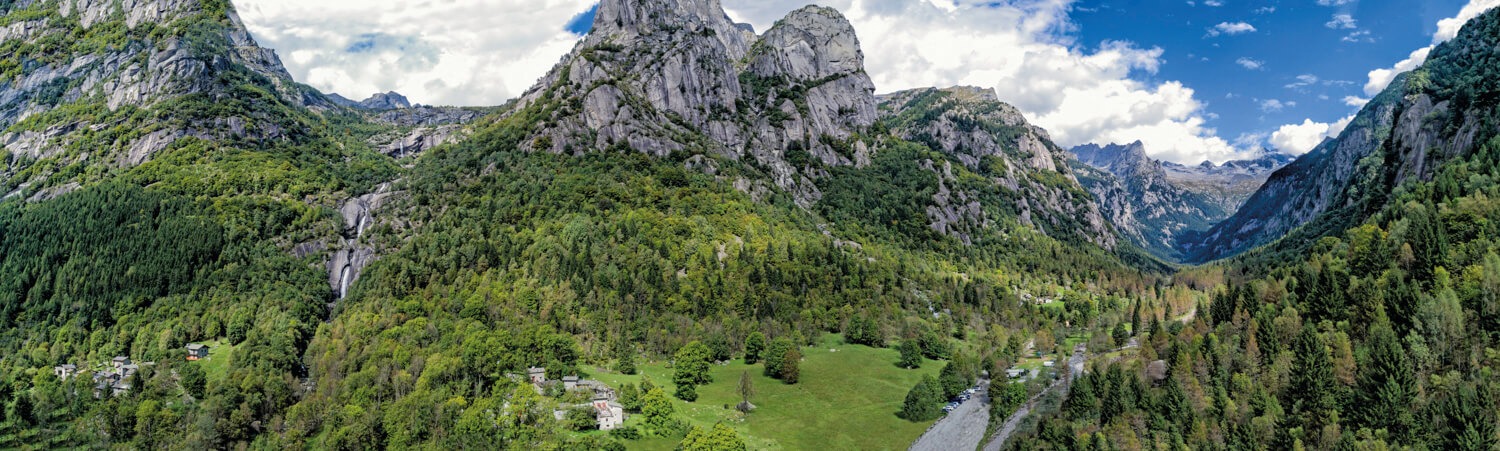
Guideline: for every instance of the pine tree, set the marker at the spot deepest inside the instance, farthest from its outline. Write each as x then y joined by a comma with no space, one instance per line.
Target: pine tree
1135,319
1082,402
1311,393
1387,386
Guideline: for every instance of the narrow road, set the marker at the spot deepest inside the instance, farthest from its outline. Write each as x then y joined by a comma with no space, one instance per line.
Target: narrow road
1075,369
962,429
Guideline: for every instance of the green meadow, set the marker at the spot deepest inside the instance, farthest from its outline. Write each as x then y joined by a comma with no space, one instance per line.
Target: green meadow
847,399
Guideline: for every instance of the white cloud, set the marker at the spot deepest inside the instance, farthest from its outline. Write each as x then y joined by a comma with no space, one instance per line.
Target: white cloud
1298,139
1335,2
1303,81
1380,78
484,52
1265,10
1023,49
459,52
1342,22
1356,101
1275,106
1231,28
1250,63
1359,36
1447,29
1213,3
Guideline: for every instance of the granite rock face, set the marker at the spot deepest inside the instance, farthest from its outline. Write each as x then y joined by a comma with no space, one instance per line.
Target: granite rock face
386,101
677,77
972,126
141,71
652,73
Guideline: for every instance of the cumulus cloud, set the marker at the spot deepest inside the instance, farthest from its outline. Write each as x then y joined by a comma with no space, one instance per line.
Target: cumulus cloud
1231,28
1335,2
1447,29
1250,63
1023,49
460,52
1298,139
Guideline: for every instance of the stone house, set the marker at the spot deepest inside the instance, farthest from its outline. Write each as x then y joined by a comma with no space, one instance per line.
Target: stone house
610,414
65,371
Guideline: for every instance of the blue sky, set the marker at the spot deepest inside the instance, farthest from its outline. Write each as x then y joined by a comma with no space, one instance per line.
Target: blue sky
1300,62
1195,80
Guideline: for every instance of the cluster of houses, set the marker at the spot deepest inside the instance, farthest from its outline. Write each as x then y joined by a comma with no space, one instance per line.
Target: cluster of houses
115,379
607,410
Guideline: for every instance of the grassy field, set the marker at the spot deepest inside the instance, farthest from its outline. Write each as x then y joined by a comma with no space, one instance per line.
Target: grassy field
217,363
847,399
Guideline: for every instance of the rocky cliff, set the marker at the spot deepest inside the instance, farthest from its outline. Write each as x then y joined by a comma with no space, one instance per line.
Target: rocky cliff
972,126
679,76
115,82
1423,119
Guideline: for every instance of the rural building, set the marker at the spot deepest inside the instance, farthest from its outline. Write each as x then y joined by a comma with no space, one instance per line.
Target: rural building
538,375
197,351
65,370
610,414
570,382
118,363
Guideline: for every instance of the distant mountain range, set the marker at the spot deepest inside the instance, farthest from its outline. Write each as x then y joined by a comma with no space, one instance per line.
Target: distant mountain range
1156,203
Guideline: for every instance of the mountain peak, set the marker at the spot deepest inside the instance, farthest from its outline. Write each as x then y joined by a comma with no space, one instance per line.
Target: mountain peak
386,101
654,72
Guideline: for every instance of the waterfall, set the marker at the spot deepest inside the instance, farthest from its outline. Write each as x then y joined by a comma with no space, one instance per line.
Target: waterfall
344,282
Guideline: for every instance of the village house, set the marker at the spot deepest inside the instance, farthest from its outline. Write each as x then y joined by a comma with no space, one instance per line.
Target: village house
570,382
197,351
119,362
65,371
609,414
538,375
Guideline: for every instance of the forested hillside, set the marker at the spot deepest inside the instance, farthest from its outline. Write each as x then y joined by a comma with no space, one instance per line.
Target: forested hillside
1373,327
546,233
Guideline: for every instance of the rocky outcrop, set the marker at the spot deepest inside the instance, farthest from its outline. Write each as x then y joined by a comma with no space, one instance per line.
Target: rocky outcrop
972,126
386,101
352,254
422,128
663,77
158,61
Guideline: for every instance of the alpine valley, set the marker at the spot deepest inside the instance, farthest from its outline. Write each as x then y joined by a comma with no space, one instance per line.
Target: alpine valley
691,234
